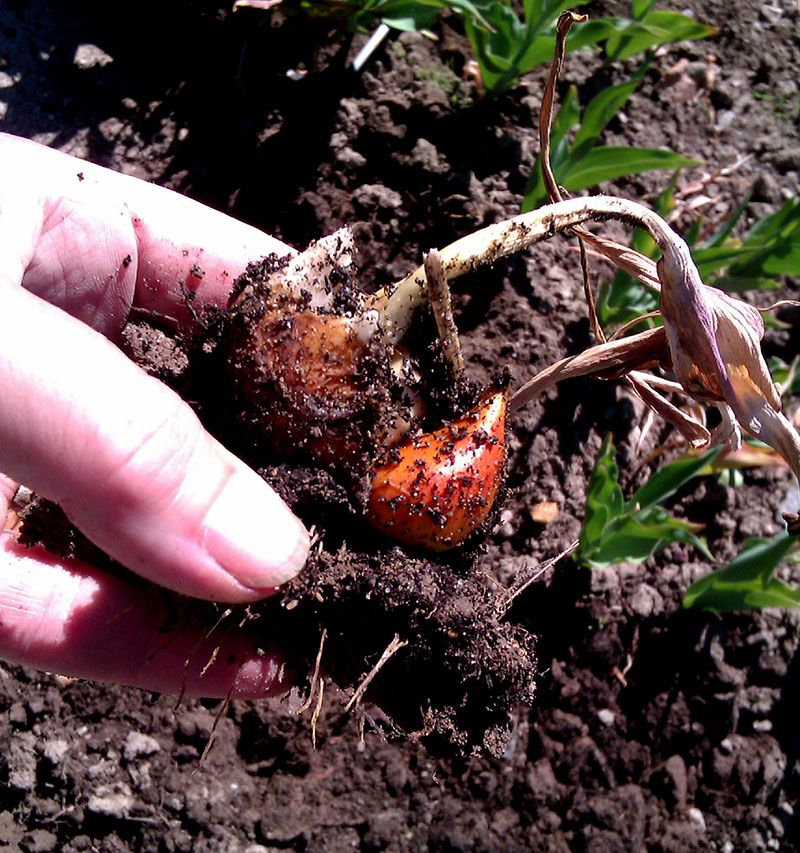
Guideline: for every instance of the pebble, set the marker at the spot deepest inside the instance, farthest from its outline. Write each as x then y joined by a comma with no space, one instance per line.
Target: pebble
788,159
90,55
646,601
725,119
603,579
39,841
696,817
116,804
606,716
22,762
138,744
55,749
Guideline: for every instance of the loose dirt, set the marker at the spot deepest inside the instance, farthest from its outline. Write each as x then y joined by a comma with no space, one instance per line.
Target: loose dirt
650,728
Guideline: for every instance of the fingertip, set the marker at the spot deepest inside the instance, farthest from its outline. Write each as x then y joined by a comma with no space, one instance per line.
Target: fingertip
252,535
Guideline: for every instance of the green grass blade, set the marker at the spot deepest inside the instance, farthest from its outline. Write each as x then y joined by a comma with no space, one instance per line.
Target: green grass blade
623,300
654,29
719,237
605,163
600,110
604,500
666,481
747,581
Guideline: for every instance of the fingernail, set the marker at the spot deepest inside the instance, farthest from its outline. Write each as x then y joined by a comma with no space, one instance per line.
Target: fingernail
252,534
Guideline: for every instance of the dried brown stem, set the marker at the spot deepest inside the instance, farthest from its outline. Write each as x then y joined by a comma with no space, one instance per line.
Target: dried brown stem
607,361
529,576
394,646
315,676
442,305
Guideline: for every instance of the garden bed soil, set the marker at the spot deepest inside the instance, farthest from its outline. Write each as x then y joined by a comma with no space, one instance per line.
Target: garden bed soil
651,727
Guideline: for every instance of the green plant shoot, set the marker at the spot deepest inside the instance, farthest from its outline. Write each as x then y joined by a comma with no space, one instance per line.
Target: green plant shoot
616,530
584,163
511,46
748,581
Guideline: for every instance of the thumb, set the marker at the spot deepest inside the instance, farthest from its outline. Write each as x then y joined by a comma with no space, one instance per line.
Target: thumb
130,463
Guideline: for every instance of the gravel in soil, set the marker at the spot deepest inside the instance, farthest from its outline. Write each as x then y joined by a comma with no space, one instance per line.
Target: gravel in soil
651,728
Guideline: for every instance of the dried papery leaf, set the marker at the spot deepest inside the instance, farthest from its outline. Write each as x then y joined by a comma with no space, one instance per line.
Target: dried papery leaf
622,330
633,262
609,360
692,430
627,259
715,339
715,342
728,432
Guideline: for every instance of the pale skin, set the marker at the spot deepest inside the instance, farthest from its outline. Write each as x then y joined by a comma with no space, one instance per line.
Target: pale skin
125,457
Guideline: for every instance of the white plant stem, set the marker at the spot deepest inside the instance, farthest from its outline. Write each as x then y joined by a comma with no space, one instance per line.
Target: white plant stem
513,235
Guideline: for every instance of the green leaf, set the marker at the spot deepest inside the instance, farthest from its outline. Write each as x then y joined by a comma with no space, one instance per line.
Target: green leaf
654,29
600,110
781,223
771,248
637,537
623,300
421,14
748,581
671,477
721,234
605,163
786,373
639,8
615,530
604,501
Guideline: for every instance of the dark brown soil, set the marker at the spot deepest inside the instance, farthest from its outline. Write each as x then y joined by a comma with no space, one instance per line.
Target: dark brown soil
651,728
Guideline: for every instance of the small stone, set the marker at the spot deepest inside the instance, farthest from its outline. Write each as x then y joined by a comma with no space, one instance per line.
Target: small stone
646,601
138,744
54,750
10,830
606,716
545,512
696,817
426,155
788,159
603,579
507,528
90,55
22,762
671,780
770,13
725,119
37,705
39,841
765,188
17,715
111,803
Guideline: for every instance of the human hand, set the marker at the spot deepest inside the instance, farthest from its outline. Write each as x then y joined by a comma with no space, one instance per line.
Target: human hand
123,455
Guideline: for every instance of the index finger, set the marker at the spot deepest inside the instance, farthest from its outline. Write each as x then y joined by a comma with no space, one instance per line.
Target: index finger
181,249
